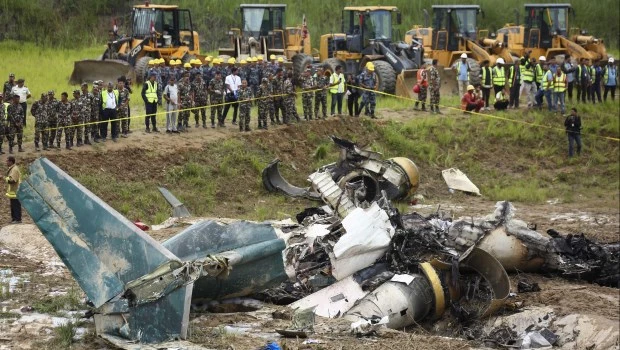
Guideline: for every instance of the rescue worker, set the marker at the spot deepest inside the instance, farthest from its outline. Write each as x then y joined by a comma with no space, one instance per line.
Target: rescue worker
254,75
546,89
569,69
369,82
232,84
572,123
462,70
245,105
307,84
278,98
597,74
501,100
8,86
122,113
528,88
583,80
470,101
51,108
87,117
12,179
353,95
186,101
434,86
242,71
264,99
514,81
24,94
422,84
76,118
486,83
195,69
538,71
610,79
290,109
109,104
171,95
16,125
200,100
64,121
336,89
320,95
216,91
499,76
559,89
40,122
149,96
95,111
207,71
3,121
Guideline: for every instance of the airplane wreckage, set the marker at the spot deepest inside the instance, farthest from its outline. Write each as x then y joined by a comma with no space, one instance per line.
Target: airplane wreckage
356,257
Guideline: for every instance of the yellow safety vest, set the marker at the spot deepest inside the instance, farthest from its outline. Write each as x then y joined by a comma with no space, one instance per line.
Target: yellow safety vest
539,74
151,91
528,74
546,84
335,78
104,97
14,175
499,76
458,69
559,82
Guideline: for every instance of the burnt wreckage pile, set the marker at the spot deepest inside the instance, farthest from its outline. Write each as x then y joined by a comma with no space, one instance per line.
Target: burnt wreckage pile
356,257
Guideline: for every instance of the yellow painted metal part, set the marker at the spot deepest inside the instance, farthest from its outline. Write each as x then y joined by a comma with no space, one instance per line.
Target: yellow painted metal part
411,170
433,278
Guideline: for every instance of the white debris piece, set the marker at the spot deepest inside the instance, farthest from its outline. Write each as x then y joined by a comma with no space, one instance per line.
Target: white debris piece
457,180
334,300
368,235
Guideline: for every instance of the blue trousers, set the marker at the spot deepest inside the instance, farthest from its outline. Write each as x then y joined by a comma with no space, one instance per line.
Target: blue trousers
574,138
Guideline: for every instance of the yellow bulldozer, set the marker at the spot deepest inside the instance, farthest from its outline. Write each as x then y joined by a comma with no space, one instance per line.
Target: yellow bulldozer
263,31
158,31
454,31
368,36
546,32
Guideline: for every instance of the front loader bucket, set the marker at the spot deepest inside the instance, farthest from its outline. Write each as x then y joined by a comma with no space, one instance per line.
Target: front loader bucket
448,82
405,82
108,70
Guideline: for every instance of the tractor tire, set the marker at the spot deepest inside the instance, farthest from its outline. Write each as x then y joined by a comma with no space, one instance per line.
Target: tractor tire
141,67
330,64
300,61
386,75
474,71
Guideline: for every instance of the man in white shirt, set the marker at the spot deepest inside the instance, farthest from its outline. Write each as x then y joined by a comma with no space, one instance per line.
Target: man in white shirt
109,104
24,95
171,95
232,83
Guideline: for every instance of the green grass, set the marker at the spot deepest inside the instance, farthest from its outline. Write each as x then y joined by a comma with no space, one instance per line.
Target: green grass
63,335
54,305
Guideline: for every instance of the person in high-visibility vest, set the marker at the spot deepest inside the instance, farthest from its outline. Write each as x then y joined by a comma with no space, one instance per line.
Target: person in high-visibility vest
486,82
546,88
559,90
12,179
462,69
514,81
336,89
150,98
499,75
529,87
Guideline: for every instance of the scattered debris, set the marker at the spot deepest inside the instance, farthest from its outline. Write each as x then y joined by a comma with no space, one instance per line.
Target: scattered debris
526,287
360,173
457,180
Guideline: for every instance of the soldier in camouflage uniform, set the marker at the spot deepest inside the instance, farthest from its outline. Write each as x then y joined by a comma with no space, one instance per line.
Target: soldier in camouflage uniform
216,92
64,121
320,96
277,85
200,100
206,71
368,80
16,123
51,109
263,95
290,109
307,83
95,111
40,122
3,123
245,104
186,100
77,107
122,111
254,77
8,87
87,98
434,85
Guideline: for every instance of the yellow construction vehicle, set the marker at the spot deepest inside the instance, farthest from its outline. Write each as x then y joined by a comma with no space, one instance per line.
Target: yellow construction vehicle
546,32
263,31
158,31
368,37
454,32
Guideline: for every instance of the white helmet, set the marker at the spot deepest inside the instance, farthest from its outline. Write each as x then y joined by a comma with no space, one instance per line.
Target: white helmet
463,55
542,58
500,61
610,60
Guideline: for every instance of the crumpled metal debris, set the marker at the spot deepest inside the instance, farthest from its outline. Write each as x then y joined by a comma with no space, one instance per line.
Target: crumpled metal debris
361,174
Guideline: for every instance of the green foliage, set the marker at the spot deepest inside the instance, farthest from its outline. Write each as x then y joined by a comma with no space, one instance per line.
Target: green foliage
52,305
63,335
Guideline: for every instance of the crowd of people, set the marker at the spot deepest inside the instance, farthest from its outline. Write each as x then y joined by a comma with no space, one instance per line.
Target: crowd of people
182,89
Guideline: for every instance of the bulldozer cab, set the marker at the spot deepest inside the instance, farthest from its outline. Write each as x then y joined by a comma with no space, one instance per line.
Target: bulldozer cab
543,22
451,23
363,25
171,26
262,20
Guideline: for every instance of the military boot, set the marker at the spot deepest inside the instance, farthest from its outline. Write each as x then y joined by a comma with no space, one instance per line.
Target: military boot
10,150
36,146
67,146
1,151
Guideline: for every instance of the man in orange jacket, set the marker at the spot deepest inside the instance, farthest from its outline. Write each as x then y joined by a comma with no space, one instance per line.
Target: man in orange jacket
470,101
